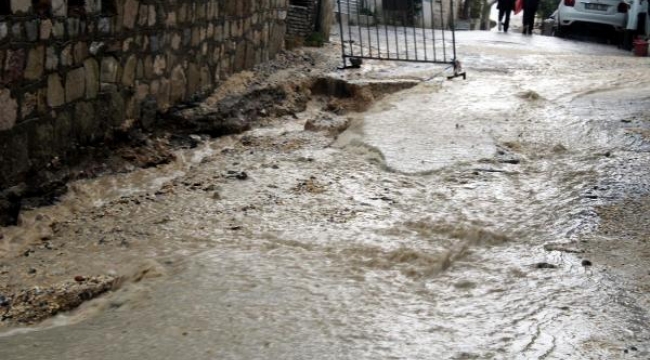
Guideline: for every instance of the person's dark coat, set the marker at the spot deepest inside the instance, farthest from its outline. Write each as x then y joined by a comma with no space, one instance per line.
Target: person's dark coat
506,5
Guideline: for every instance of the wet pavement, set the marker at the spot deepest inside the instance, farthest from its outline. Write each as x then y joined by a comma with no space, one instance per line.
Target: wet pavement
478,219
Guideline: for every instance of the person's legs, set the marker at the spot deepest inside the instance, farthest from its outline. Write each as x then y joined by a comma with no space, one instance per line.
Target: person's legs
531,15
524,29
529,21
501,13
506,23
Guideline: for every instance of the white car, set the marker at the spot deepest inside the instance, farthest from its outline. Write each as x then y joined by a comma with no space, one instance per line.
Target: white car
602,12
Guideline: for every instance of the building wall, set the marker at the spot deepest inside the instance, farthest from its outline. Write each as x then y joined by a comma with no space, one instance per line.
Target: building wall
72,72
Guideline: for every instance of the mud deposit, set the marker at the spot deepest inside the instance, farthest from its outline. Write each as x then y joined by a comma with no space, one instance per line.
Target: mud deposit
495,218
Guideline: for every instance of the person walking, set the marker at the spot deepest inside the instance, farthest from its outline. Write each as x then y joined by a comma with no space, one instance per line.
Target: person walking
530,8
505,8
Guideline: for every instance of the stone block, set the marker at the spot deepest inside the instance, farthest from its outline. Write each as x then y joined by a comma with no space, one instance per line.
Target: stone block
196,36
139,70
66,56
171,19
8,110
59,29
178,84
154,87
240,56
59,8
32,30
142,15
46,29
93,6
163,95
35,63
51,59
130,13
15,65
74,25
210,31
187,36
154,43
193,79
182,13
128,75
126,45
159,65
17,31
206,79
176,41
105,25
20,6
148,67
151,16
29,104
109,70
92,78
4,30
55,92
75,84
141,91
80,52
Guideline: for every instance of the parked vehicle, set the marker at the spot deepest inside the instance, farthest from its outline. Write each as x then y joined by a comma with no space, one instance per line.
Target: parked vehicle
592,12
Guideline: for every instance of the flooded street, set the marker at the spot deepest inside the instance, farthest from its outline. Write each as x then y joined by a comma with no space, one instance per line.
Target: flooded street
501,217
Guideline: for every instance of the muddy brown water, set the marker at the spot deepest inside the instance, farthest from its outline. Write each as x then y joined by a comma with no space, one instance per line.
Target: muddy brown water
417,234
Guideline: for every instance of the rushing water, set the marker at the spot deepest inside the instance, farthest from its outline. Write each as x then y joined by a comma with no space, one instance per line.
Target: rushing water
415,235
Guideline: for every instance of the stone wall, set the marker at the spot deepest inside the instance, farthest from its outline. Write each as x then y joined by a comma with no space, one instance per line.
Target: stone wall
73,72
301,20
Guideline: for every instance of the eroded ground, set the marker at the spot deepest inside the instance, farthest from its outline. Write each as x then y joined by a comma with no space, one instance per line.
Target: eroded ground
498,217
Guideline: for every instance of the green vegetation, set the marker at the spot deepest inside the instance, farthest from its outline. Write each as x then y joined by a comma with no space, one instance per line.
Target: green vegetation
547,7
475,9
367,12
315,39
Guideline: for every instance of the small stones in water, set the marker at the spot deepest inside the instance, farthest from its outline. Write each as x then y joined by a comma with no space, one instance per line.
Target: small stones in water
211,187
586,263
4,302
31,271
512,161
79,278
239,175
631,348
544,265
216,195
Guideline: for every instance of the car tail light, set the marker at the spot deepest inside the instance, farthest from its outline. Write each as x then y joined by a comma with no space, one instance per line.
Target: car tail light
569,2
623,7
